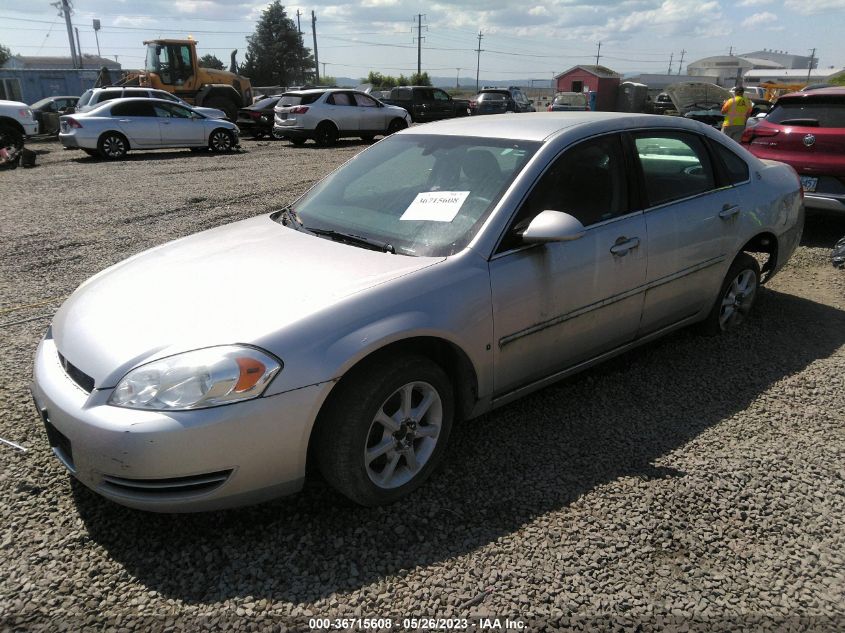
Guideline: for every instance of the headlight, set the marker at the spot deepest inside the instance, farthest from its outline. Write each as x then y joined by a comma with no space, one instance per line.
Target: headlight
197,380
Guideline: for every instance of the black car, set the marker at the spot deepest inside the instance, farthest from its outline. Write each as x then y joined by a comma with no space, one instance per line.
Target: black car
499,100
257,119
48,110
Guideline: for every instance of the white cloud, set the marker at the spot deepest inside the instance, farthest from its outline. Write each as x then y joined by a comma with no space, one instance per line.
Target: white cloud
674,17
538,10
759,19
809,7
753,3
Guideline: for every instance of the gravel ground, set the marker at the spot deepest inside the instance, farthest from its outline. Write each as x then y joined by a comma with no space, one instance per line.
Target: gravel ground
694,484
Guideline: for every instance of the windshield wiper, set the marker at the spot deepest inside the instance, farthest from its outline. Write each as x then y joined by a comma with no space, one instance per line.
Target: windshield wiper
349,238
288,217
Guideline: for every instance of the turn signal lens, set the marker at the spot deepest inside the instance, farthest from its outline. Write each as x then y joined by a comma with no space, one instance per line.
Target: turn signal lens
251,371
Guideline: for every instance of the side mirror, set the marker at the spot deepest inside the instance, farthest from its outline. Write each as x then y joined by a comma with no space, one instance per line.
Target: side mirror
553,226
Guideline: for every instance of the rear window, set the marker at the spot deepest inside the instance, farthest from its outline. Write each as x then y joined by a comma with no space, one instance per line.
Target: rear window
571,100
492,96
83,100
269,102
288,100
809,112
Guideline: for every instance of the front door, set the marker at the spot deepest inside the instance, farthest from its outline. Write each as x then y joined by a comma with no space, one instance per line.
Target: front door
371,116
558,304
179,126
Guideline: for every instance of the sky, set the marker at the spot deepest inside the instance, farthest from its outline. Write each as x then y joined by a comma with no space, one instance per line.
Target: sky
536,39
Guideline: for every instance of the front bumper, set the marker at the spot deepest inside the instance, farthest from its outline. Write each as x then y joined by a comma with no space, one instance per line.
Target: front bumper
181,461
30,128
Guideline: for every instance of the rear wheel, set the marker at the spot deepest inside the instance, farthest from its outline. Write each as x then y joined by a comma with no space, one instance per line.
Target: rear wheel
736,296
326,134
385,431
113,146
221,140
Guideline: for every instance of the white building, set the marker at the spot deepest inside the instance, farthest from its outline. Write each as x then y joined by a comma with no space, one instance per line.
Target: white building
792,76
728,69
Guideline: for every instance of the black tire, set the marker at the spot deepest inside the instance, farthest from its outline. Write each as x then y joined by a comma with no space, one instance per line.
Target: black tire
368,138
278,136
736,296
221,140
113,146
299,142
348,428
395,125
11,139
222,103
326,134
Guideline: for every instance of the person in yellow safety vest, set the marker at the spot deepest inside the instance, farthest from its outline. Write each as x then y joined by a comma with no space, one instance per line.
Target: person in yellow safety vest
737,109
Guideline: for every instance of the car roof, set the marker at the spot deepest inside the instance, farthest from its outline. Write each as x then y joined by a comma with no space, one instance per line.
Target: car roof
539,126
835,91
111,102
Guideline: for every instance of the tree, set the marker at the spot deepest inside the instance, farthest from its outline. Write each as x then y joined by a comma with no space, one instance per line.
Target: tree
276,54
420,79
5,54
211,61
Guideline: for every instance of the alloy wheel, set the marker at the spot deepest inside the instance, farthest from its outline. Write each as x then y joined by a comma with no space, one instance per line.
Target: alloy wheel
221,141
114,146
738,299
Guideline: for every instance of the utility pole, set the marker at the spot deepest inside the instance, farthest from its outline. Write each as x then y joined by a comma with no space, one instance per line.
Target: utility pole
810,69
64,6
598,54
298,25
681,63
419,44
324,68
316,58
458,78
731,52
478,60
78,46
300,74
671,57
97,37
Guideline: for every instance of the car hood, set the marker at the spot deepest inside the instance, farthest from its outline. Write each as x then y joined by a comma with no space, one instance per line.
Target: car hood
211,113
696,95
233,284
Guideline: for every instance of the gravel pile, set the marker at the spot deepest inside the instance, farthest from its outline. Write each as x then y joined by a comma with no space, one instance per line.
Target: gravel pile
694,484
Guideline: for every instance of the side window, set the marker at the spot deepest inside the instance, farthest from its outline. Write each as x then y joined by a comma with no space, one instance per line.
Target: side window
167,111
364,101
403,94
587,181
675,165
439,95
107,95
163,94
340,99
133,108
424,94
735,168
135,92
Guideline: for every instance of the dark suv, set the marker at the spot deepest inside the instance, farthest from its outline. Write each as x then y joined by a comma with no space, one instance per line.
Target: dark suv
499,100
807,131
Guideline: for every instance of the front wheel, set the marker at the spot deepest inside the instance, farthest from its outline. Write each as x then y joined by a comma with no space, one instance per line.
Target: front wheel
396,125
221,140
736,296
385,431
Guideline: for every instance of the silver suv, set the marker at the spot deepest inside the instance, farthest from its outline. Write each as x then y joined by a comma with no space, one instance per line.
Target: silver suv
90,99
327,115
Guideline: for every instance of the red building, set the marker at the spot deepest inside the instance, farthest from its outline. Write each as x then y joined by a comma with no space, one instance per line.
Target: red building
603,81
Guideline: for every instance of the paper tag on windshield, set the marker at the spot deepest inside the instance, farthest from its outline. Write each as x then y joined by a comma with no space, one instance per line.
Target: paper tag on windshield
435,206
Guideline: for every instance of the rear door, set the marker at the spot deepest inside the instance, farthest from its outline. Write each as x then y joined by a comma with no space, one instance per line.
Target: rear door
690,218
137,120
343,110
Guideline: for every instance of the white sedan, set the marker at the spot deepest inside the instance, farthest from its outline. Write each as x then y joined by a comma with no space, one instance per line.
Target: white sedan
120,125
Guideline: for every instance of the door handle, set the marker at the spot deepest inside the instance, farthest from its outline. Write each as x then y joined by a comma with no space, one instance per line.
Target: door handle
165,122
728,211
123,120
624,245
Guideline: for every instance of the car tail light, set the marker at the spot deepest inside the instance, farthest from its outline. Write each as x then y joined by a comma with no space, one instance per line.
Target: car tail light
73,122
255,115
299,110
549,108
750,133
473,104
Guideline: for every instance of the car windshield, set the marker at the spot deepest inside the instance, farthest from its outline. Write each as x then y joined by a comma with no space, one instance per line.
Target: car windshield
424,195
83,100
492,96
41,103
288,100
571,100
827,112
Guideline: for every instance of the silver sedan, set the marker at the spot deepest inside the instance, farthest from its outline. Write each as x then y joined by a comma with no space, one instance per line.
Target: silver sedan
120,125
443,272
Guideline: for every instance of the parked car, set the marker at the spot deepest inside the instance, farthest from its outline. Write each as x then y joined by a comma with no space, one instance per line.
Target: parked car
837,255
426,104
327,115
48,110
117,126
500,100
807,131
446,270
17,121
663,103
90,99
569,102
257,119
